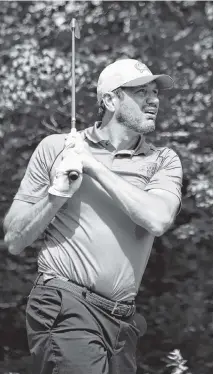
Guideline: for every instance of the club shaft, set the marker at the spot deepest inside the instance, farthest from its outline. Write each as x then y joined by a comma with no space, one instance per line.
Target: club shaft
73,86
73,175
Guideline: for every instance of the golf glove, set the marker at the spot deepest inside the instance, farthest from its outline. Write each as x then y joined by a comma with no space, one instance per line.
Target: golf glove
62,185
74,141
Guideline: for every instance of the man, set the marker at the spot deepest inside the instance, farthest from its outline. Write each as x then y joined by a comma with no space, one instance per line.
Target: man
99,229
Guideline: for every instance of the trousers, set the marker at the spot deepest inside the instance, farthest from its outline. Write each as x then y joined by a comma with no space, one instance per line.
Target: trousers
67,335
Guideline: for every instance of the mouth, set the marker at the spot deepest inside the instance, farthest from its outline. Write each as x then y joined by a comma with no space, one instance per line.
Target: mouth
151,111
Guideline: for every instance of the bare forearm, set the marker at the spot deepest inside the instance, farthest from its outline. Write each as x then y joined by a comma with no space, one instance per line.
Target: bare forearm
144,209
28,225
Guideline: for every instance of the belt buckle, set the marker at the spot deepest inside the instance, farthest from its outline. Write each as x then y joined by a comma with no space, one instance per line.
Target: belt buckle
131,310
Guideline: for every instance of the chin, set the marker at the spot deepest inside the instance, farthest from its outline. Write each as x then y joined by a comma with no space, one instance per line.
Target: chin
148,127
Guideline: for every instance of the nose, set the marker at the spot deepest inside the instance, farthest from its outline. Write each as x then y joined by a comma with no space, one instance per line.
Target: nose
152,100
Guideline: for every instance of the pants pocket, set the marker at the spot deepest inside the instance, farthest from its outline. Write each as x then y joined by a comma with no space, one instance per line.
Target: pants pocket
43,308
140,323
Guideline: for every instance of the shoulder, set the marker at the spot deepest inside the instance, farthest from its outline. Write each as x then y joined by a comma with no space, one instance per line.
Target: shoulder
165,158
55,141
51,146
47,151
165,154
169,162
163,151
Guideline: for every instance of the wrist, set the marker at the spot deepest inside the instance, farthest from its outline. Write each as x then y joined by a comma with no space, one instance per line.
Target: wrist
61,186
57,201
93,168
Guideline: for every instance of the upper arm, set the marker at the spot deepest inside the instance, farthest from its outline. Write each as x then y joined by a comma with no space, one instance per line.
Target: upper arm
167,182
172,202
34,185
36,182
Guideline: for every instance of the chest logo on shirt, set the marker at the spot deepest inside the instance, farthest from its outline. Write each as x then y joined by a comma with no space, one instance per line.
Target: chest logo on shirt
149,168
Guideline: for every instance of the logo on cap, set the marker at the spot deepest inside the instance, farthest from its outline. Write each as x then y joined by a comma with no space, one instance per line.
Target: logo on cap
141,67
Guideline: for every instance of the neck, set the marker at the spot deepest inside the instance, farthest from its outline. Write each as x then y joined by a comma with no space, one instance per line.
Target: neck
120,136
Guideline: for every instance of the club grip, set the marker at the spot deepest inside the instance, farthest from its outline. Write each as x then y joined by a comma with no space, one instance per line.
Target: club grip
73,175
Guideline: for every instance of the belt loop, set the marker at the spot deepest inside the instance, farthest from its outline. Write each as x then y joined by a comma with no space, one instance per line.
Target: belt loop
84,292
115,307
133,310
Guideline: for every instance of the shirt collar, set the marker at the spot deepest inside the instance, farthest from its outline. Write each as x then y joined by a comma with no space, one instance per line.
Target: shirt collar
93,134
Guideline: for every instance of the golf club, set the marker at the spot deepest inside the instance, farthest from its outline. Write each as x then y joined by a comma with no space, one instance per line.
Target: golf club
73,175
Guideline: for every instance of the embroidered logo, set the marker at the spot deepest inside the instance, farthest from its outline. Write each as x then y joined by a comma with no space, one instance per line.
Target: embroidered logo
149,168
141,67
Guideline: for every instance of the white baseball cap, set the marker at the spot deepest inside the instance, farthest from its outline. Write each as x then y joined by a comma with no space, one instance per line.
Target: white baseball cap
128,73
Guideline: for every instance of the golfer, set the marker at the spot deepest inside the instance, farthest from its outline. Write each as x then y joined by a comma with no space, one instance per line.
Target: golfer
98,230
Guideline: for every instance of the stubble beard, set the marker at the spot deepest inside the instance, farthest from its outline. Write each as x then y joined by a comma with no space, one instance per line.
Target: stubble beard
135,120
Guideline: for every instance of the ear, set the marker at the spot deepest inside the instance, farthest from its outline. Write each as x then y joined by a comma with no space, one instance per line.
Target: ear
110,101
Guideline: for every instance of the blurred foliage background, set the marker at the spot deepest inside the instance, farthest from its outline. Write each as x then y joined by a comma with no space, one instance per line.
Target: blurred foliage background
172,37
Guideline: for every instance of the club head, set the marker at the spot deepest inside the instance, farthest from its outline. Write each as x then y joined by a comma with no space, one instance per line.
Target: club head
75,27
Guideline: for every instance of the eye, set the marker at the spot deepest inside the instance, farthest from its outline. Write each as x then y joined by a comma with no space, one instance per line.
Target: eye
142,90
155,92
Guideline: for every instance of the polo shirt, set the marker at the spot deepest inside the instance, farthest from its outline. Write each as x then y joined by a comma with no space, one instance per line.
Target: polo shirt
91,241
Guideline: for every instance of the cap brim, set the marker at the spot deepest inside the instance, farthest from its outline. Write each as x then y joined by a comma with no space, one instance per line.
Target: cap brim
165,82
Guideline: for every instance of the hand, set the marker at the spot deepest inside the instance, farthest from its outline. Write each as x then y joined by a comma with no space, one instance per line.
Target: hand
75,142
62,184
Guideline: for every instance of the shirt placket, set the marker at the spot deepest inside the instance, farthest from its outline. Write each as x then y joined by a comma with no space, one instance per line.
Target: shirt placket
118,159
109,152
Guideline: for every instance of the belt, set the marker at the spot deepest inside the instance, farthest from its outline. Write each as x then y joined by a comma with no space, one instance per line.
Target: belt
116,308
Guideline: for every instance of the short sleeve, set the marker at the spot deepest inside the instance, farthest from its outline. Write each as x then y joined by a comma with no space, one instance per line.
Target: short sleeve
169,174
35,183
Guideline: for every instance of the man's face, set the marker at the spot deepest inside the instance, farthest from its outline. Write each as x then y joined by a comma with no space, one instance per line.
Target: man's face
139,107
